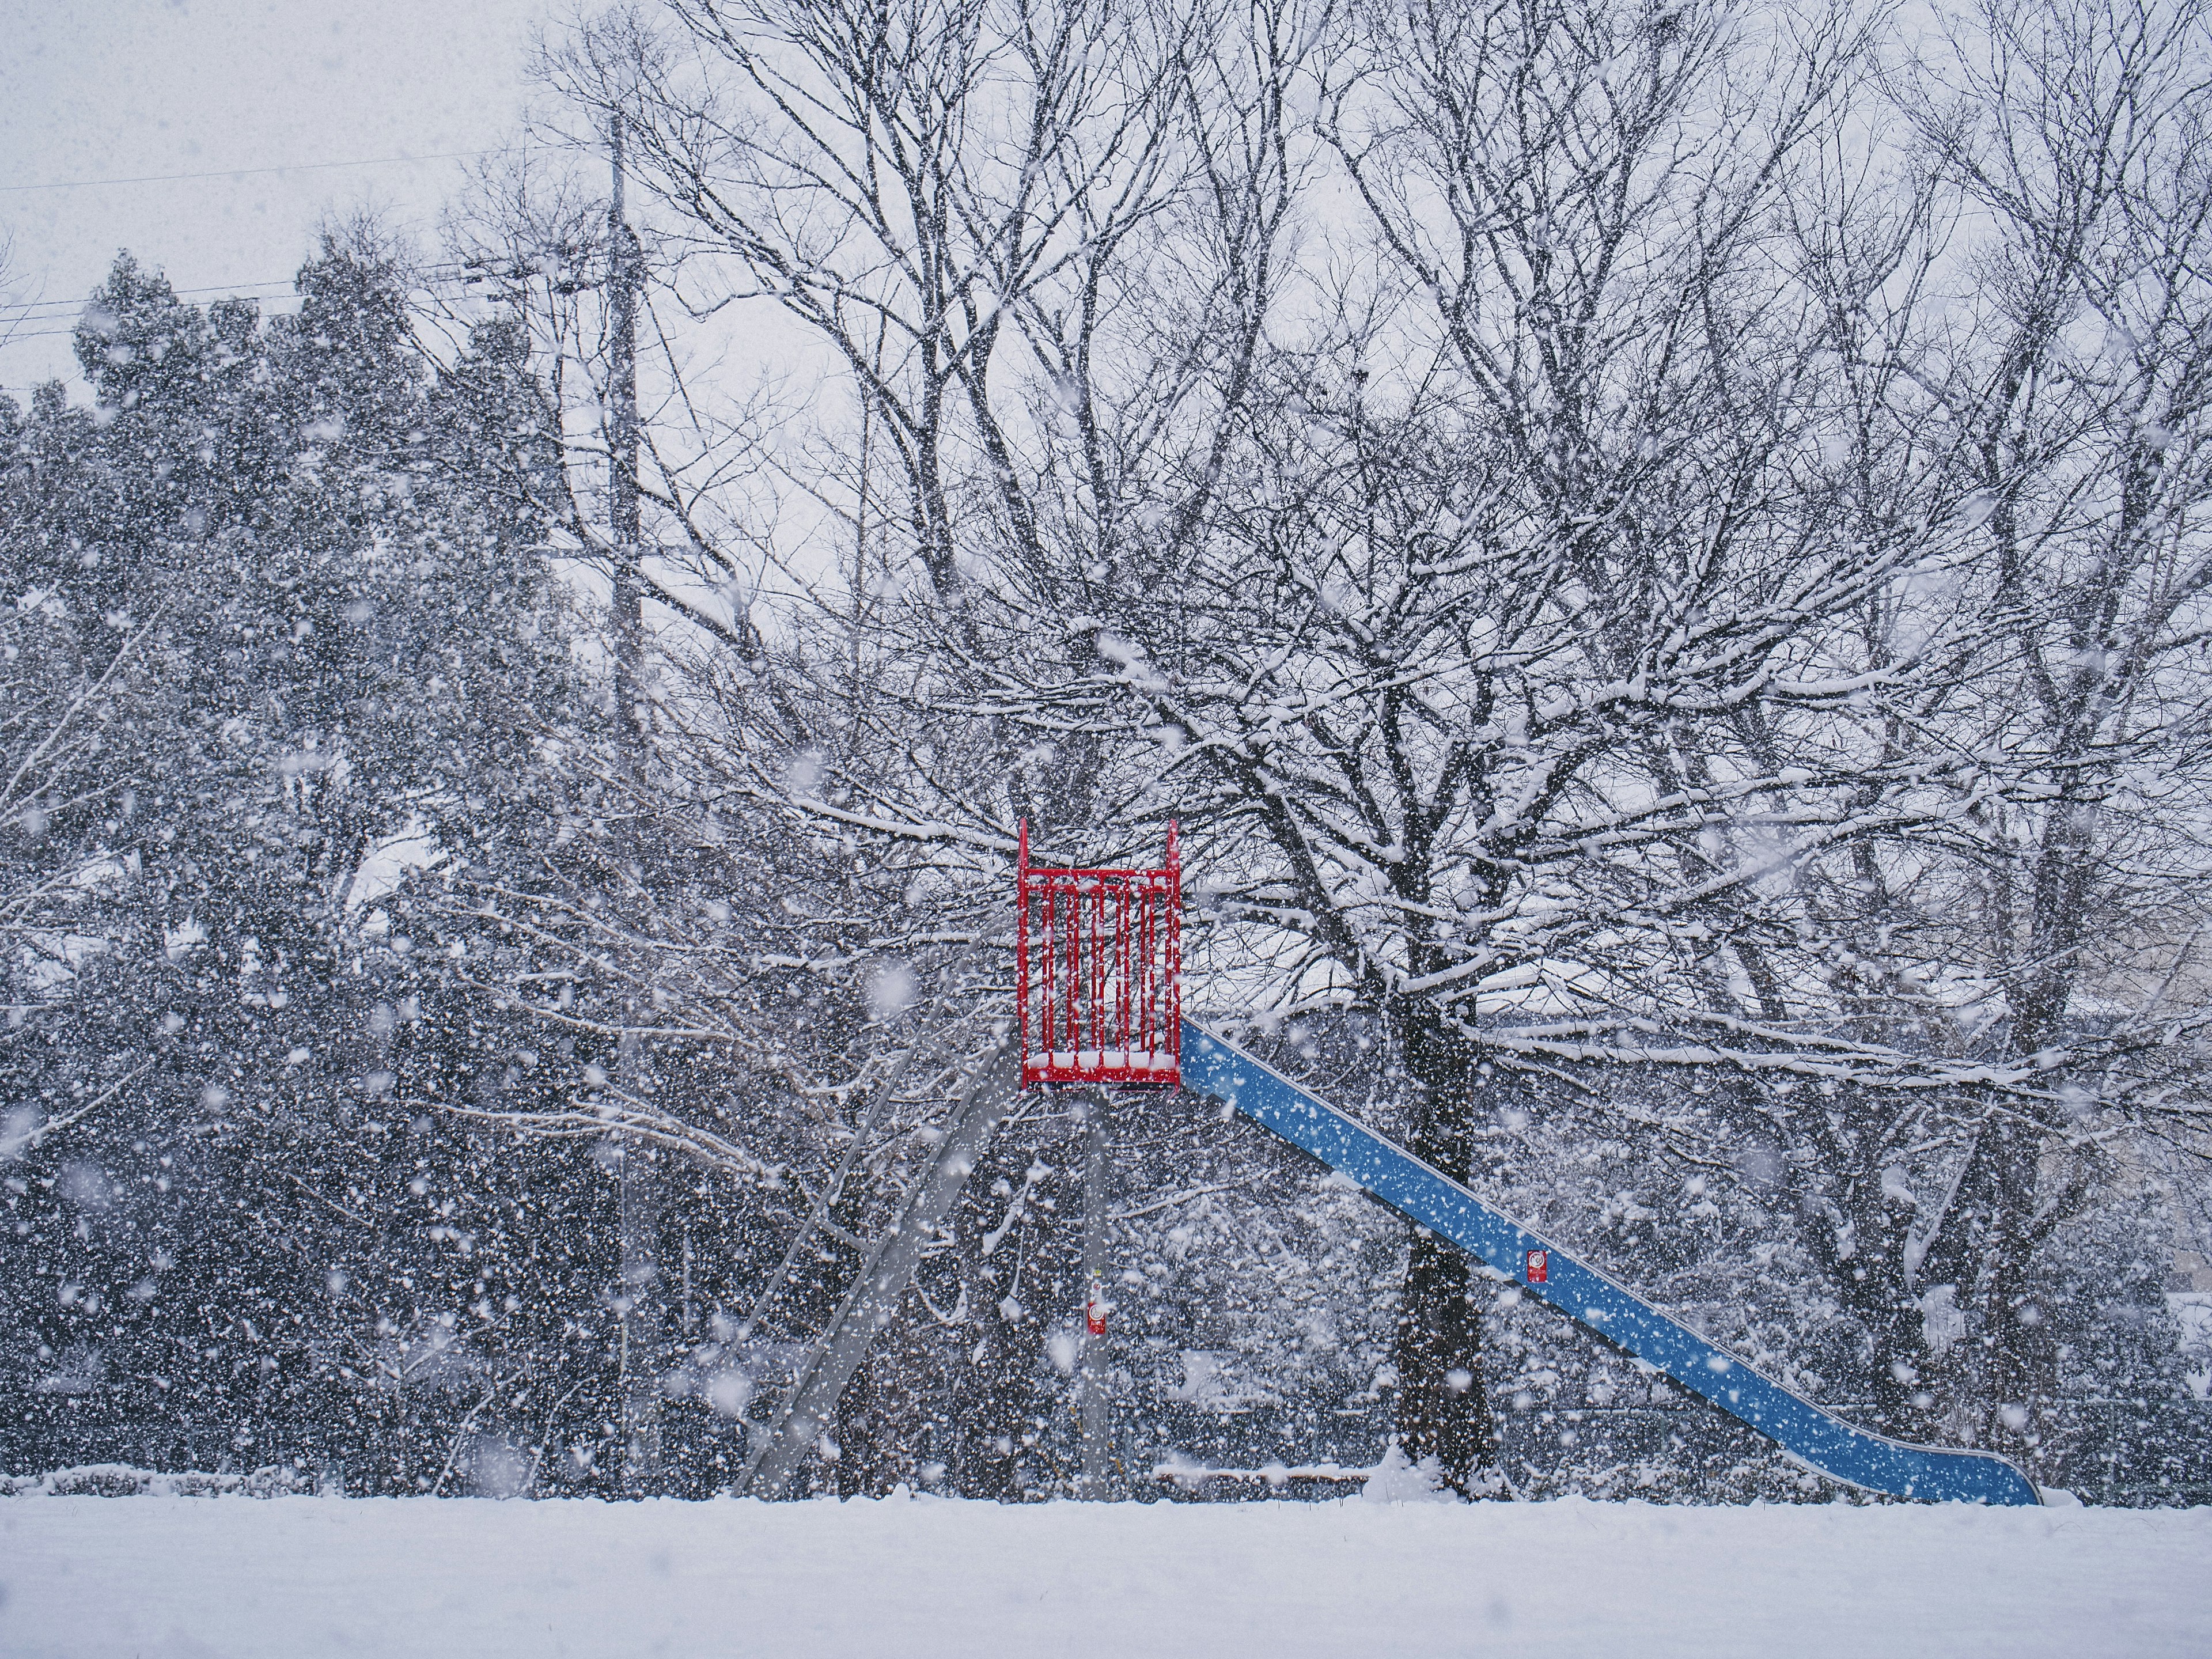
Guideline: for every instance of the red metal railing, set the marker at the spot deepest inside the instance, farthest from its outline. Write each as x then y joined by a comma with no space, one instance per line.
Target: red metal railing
1098,972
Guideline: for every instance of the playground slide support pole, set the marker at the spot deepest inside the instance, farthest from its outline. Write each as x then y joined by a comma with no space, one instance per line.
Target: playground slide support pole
1094,1384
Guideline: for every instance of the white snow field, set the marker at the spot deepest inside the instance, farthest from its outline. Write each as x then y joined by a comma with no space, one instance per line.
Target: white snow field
304,1575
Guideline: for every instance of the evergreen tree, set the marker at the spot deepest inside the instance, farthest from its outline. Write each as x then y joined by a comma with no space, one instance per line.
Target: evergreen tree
295,572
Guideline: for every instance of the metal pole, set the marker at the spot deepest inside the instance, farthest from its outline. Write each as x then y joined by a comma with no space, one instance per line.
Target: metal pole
1094,1384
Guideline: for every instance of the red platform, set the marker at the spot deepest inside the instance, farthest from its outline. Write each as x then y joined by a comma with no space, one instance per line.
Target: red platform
1098,972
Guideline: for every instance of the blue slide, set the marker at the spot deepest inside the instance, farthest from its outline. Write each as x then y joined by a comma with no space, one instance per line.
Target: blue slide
1214,1066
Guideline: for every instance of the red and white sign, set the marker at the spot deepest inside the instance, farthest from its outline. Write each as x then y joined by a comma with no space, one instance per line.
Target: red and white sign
1540,1266
1094,1309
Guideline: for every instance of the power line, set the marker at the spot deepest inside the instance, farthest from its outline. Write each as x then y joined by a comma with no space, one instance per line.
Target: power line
61,333
443,275
445,270
23,312
290,166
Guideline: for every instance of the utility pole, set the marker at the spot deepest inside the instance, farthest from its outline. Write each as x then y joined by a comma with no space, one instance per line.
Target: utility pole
622,459
1094,1383
639,1300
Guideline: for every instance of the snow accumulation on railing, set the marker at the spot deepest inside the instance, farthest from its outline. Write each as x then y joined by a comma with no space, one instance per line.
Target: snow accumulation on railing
1118,1060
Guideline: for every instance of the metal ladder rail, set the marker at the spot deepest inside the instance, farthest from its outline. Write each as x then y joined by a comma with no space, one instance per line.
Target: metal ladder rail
1214,1066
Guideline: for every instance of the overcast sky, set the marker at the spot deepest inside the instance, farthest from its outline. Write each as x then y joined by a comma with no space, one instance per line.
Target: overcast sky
118,89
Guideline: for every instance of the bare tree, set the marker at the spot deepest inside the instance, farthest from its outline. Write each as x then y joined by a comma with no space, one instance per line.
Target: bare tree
1456,670
1038,246
2075,382
1620,617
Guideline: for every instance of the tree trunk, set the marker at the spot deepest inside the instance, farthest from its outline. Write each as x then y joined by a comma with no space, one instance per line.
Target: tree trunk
879,1401
643,1299
1444,1407
1986,1249
993,1381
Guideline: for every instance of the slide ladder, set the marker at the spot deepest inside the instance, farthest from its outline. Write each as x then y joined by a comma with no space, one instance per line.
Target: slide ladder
1212,1065
779,1449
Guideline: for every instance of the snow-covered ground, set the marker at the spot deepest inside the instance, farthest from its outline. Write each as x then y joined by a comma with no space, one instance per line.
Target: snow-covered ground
304,1575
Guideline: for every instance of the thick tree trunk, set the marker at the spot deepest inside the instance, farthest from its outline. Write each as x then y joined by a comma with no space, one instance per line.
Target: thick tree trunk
1443,1410
991,1402
994,1379
879,1414
1443,1406
644,1307
2006,1357
1862,1248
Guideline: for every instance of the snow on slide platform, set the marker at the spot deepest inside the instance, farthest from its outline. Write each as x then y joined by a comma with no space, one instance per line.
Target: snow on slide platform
1214,1066
162,1577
